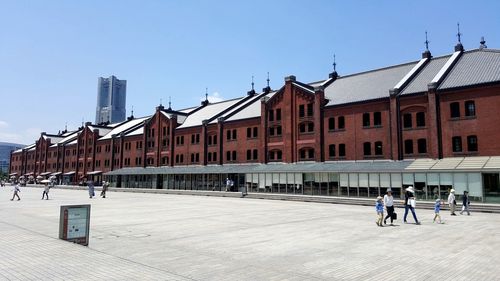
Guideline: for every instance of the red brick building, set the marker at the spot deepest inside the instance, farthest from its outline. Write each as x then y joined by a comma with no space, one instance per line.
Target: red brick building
432,108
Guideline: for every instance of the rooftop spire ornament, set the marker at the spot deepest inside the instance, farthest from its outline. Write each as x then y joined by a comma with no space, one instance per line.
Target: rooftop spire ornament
252,83
334,64
426,42
267,79
458,33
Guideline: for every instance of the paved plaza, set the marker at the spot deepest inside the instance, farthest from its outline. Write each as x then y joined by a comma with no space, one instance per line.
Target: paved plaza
137,236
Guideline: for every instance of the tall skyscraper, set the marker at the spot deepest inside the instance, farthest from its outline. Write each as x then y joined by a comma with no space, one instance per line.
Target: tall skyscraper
111,97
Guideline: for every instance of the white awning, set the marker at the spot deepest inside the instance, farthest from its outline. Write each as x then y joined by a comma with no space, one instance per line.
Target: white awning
69,173
45,173
56,174
13,174
94,173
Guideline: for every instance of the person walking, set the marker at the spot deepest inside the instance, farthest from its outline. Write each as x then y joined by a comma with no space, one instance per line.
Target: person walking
389,206
105,185
465,203
16,192
228,184
452,202
46,191
437,208
410,204
379,207
90,184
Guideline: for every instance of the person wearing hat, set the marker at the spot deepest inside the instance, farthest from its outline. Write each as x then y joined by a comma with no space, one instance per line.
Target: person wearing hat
437,208
465,203
389,206
379,207
452,202
410,204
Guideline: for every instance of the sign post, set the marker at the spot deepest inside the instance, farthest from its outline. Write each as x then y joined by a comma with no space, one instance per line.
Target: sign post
74,224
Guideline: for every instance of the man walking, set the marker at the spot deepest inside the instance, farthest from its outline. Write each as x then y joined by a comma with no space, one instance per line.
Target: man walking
452,202
465,203
16,192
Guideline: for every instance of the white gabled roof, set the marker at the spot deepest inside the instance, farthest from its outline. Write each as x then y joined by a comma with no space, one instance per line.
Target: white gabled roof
251,110
124,126
207,112
138,131
68,136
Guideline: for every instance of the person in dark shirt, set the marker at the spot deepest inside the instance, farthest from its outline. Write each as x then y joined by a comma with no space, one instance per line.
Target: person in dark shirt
410,204
465,203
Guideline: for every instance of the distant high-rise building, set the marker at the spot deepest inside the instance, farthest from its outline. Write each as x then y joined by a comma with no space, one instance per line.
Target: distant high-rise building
111,97
5,149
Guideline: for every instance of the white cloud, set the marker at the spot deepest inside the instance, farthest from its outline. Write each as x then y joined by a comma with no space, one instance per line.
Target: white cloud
27,136
214,97
4,124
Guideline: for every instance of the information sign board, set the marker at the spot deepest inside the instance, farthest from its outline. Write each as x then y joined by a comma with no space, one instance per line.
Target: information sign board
74,224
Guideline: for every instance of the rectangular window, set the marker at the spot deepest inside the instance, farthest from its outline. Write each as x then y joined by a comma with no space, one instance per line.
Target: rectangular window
234,134
278,130
367,149
278,114
310,110
422,145
249,133
342,150
228,155
420,119
255,154
366,119
302,111
255,132
407,122
249,154
377,119
454,110
234,155
457,144
408,146
472,143
341,122
378,148
331,123
470,108
271,115
331,150
228,134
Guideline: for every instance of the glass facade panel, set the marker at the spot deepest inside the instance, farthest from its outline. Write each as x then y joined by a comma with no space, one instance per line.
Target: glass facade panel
433,179
475,186
374,180
420,177
385,180
459,183
408,179
333,184
353,180
446,179
363,180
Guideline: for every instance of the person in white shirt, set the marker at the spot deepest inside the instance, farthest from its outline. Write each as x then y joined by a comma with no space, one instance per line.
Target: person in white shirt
452,202
46,191
389,206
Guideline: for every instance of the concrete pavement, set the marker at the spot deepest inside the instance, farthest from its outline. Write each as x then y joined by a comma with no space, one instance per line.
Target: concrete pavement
136,236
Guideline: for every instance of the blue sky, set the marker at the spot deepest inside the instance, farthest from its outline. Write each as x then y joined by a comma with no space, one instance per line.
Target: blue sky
51,52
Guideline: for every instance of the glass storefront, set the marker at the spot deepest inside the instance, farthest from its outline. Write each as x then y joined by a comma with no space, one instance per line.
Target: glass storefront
428,186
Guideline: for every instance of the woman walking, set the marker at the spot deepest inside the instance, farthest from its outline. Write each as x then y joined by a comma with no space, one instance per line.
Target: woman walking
410,203
389,206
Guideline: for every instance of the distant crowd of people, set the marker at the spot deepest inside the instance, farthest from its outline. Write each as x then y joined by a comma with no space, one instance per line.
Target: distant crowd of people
47,186
387,203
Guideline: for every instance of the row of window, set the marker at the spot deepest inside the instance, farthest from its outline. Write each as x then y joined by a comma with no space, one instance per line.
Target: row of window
273,116
471,144
469,109
377,119
408,122
302,110
340,123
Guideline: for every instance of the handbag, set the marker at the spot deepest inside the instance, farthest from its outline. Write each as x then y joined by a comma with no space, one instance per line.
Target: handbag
394,216
411,202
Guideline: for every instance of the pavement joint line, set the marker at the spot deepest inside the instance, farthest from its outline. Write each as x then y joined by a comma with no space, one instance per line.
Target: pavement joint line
92,249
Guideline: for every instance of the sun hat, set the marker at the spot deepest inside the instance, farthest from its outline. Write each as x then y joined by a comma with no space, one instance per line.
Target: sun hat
389,190
438,200
379,198
410,189
452,190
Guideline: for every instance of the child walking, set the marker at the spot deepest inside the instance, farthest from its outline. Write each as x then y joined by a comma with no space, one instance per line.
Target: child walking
379,207
437,208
